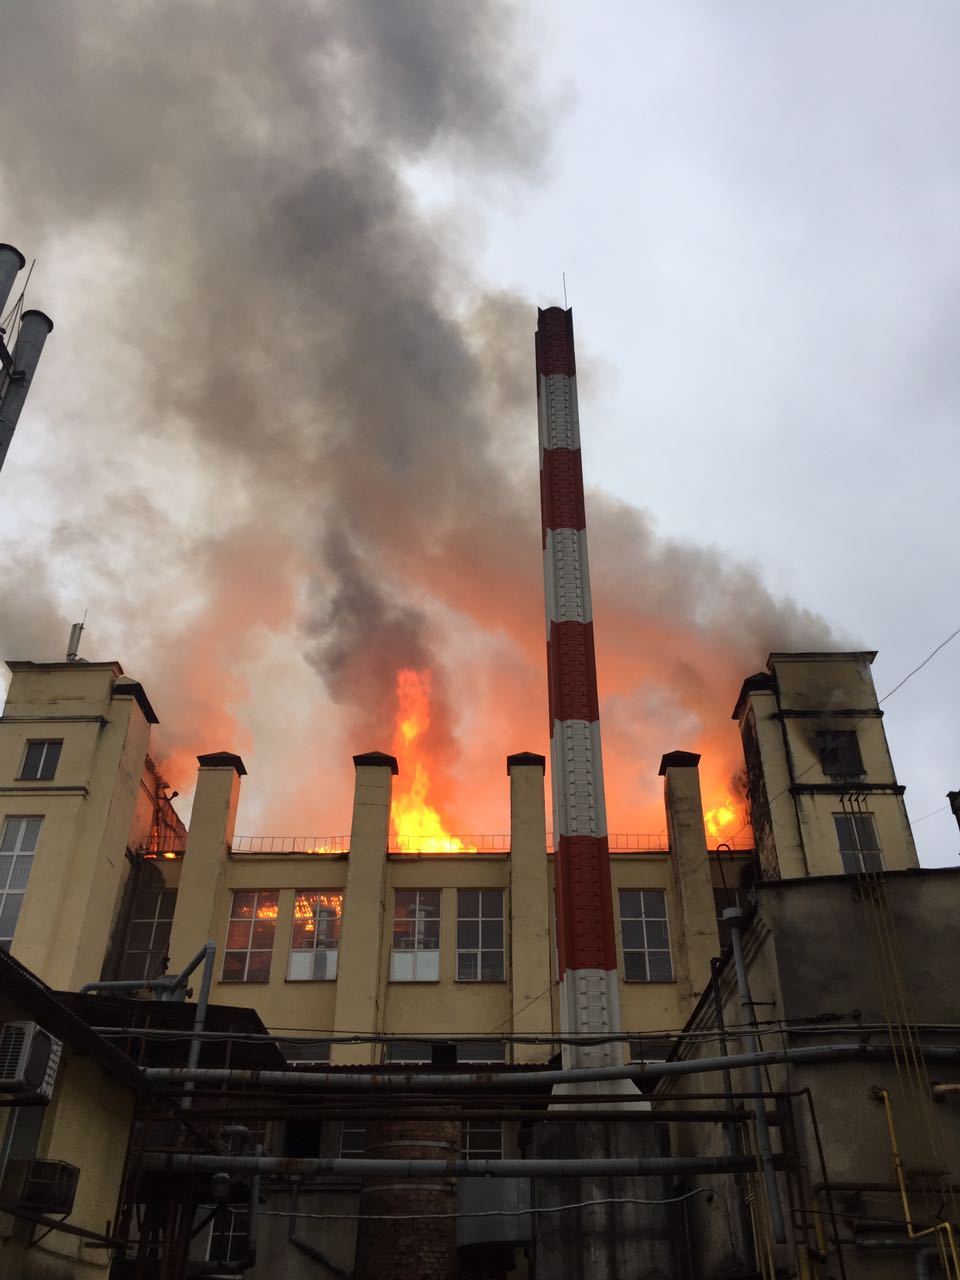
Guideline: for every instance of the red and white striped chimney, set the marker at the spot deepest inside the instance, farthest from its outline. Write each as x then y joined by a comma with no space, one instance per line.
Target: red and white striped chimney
589,1001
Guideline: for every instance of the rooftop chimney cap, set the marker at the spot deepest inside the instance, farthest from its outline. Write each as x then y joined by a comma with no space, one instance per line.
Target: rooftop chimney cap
377,758
11,248
679,760
222,760
521,758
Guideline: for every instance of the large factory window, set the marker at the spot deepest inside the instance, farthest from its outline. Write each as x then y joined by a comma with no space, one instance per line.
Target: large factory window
646,941
253,921
148,935
416,936
479,935
40,760
18,843
316,935
859,846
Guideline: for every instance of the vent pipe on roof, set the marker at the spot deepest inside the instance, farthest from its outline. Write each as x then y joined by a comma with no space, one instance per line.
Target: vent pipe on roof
73,644
34,328
12,263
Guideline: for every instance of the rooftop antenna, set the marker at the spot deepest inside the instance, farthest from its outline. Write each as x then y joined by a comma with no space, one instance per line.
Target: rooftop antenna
73,644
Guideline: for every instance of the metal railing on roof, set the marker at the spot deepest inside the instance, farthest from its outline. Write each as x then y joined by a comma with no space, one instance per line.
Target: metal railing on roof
449,844
290,844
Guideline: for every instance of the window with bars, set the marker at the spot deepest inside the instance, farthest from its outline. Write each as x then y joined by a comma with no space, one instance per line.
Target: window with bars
148,934
480,935
416,936
859,846
316,935
40,760
481,1140
645,936
18,844
253,921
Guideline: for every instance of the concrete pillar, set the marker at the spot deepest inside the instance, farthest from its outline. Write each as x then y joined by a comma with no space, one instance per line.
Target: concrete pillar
531,971
203,875
692,883
360,965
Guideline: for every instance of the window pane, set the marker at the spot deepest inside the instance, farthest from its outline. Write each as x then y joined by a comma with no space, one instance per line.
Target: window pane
635,966
404,935
324,966
30,835
631,902
430,903
32,760
491,902
233,962
258,966
468,902
263,934
168,903
850,861
267,907
872,860
491,934
405,903
655,904
141,936
6,866
243,905
491,966
238,935
468,933
304,932
401,966
660,967
429,939
428,966
11,834
845,832
633,935
467,967
657,935
300,966
866,831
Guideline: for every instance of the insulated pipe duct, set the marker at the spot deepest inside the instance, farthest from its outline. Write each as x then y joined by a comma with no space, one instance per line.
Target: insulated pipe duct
34,329
429,1082
633,1167
12,263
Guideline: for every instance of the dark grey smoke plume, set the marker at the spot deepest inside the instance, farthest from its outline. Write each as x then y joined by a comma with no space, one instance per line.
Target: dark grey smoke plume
280,416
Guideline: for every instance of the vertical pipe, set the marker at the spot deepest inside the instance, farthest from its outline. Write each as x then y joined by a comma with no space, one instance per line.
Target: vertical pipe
759,1105
199,1021
589,993
729,1128
12,263
34,328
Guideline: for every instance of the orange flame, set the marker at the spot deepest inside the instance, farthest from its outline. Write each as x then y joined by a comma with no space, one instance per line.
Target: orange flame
720,820
417,825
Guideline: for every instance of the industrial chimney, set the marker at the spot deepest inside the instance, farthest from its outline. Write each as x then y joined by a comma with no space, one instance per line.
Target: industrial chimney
19,363
589,1003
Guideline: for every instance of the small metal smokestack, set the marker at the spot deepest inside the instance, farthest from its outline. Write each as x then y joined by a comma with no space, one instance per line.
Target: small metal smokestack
12,263
954,798
73,645
34,328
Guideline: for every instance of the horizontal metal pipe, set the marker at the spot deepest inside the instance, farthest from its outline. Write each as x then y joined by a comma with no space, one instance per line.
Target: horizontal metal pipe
945,1090
630,1167
411,1081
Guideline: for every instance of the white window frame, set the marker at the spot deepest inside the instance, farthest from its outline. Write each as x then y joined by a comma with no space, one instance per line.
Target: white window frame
46,744
248,950
643,920
421,961
849,857
316,959
477,952
17,854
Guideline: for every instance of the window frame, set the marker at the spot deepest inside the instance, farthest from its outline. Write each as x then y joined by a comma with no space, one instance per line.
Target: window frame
15,854
478,951
330,953
646,951
419,920
249,949
40,775
843,746
853,821
472,1144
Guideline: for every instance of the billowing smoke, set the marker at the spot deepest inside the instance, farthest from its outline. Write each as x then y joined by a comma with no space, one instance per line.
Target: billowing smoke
283,442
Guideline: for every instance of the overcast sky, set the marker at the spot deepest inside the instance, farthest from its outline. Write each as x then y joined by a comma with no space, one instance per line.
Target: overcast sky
282,436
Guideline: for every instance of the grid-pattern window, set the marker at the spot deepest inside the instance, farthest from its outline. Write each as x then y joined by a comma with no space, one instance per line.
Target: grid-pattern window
839,753
353,1139
229,1234
148,935
253,921
18,843
481,1140
316,935
859,847
479,935
646,940
40,760
416,936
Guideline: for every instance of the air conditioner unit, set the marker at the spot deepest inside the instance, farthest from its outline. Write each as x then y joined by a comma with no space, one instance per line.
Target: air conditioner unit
44,1186
29,1058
